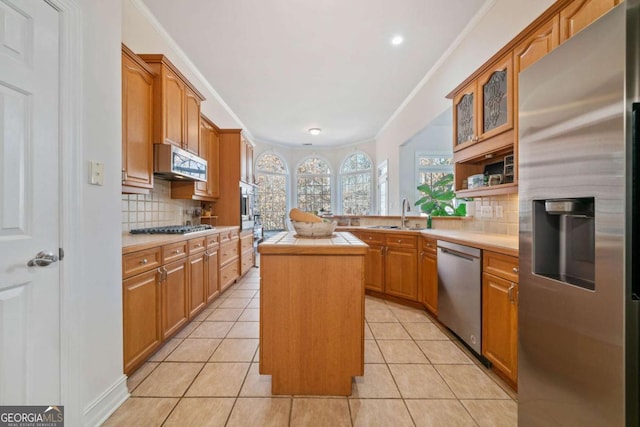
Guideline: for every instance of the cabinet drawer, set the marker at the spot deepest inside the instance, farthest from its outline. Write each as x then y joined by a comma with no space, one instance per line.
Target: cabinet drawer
429,245
246,243
228,251
228,274
213,241
246,262
197,245
139,262
174,251
372,238
228,235
500,265
402,241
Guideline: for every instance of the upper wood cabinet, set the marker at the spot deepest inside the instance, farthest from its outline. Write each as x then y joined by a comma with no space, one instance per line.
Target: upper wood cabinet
542,40
208,190
580,13
484,108
137,101
176,105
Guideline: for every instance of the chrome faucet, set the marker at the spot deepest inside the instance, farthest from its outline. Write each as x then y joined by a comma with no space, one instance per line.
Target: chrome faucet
406,207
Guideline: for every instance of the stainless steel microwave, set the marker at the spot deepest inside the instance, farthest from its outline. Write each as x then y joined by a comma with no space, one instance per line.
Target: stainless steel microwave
175,164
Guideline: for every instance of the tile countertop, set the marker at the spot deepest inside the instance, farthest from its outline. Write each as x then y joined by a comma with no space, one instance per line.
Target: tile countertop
138,242
336,244
502,243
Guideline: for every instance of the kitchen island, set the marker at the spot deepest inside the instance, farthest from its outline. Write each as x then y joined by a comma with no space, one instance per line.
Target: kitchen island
312,313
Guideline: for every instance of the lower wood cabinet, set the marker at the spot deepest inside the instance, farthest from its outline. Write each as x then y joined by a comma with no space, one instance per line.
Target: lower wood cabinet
229,259
401,272
212,283
391,263
428,289
165,286
500,314
175,311
142,332
246,252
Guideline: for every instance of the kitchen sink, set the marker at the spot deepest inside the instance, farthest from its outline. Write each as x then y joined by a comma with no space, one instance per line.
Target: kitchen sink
387,227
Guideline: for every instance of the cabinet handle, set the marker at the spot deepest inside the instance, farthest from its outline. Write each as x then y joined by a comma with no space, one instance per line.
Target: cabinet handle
516,270
511,288
144,261
177,251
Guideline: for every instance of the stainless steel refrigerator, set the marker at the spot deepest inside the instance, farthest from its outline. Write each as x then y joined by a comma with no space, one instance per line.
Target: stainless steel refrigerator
579,132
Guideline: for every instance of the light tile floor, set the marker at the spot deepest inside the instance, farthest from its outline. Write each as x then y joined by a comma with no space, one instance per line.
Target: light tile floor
416,374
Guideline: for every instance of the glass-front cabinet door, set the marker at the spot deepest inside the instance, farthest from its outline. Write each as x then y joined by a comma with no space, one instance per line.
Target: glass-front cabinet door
465,117
495,98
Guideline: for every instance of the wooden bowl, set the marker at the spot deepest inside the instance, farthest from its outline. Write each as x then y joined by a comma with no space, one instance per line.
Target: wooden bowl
314,229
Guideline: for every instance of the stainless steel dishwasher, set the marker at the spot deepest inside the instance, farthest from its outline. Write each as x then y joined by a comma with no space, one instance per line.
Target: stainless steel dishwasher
460,292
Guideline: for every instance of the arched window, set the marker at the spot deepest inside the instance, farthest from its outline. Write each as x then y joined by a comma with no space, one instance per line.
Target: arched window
356,179
272,178
314,185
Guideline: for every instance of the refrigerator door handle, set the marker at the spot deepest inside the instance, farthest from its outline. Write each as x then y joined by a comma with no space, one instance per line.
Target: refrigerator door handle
635,200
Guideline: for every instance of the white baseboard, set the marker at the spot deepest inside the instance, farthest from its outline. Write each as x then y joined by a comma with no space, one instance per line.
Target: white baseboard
106,404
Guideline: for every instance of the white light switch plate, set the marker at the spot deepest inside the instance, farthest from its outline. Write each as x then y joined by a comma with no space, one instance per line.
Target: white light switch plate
96,173
499,211
487,212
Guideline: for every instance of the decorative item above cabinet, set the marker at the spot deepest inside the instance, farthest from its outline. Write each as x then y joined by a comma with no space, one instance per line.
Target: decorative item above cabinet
176,105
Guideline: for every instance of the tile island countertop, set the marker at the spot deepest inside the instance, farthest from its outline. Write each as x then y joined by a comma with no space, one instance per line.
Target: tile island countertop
339,243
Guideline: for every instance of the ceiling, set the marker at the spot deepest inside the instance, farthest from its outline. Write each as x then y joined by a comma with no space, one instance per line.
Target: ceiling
284,66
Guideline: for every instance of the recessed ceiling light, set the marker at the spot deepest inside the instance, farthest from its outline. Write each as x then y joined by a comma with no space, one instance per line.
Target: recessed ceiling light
315,131
396,40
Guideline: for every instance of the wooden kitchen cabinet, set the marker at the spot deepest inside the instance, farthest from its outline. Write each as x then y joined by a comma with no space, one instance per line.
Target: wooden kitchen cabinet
484,108
540,42
578,14
391,263
208,190
428,289
229,259
374,260
176,105
212,287
175,307
197,275
483,113
246,252
500,314
227,207
401,266
137,120
142,333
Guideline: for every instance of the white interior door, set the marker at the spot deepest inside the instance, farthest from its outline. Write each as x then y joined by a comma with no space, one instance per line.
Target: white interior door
29,211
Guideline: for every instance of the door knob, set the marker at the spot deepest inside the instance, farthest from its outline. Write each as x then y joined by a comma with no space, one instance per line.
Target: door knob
42,259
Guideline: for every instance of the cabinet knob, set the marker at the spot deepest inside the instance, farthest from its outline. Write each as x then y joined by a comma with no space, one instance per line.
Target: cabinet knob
177,251
144,261
516,270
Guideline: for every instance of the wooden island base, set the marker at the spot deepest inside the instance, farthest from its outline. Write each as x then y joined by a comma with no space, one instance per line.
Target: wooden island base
312,313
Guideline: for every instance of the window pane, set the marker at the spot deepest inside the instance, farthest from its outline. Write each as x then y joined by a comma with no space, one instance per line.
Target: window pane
314,166
270,163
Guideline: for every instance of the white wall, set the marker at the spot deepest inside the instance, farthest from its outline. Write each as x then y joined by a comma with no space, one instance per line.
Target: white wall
335,157
96,309
501,23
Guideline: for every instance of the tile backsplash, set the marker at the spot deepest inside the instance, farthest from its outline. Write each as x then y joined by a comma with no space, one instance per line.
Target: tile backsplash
495,214
156,208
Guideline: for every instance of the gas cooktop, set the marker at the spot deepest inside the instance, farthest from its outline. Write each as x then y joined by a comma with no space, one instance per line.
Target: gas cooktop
172,229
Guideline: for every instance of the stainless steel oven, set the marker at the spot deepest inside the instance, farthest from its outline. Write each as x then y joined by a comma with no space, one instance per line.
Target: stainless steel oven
247,206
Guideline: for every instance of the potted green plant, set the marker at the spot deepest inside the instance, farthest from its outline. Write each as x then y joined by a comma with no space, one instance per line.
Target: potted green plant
438,198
